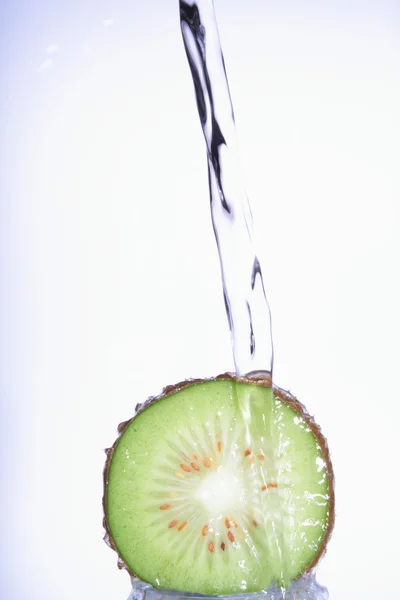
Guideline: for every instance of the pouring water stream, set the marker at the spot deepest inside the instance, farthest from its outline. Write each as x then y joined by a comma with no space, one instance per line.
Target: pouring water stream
244,294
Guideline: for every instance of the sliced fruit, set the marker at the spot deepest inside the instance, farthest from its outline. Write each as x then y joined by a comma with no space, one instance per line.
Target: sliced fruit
219,487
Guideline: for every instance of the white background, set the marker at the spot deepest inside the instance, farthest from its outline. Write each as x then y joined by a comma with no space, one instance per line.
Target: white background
110,285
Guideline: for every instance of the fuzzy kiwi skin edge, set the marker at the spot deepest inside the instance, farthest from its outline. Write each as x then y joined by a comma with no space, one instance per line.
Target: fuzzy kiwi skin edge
262,379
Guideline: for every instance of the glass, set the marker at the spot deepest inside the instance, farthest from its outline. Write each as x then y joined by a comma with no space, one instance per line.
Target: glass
304,589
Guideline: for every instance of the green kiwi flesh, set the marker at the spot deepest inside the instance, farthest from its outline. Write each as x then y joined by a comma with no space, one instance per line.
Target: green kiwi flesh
219,486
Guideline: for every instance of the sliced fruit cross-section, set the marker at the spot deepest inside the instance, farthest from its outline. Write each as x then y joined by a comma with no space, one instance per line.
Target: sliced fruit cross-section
219,487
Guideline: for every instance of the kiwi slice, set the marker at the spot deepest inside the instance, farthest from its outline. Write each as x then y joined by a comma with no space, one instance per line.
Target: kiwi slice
219,486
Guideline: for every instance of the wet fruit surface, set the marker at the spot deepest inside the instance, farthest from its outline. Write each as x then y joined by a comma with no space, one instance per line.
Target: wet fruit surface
220,487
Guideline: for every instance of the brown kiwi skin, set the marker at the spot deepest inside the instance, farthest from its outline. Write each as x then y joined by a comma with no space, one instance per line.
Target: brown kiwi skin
256,378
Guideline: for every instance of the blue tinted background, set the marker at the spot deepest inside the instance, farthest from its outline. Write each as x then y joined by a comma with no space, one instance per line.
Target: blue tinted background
109,274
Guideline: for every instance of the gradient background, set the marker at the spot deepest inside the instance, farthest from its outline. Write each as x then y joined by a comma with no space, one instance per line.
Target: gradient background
110,285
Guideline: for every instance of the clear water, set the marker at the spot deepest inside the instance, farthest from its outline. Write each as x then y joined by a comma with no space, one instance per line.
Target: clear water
244,293
243,286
